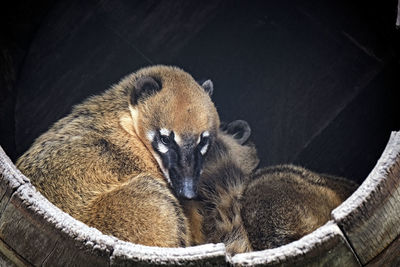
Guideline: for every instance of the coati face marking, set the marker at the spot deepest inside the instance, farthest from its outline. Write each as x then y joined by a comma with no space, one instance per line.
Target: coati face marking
175,118
181,163
204,142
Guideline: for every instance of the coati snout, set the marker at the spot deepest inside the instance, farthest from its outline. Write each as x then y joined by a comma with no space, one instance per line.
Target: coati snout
181,159
175,118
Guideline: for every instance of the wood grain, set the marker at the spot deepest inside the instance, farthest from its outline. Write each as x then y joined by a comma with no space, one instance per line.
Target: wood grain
370,217
388,257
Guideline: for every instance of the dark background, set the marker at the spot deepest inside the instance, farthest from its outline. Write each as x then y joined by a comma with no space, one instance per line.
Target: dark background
318,81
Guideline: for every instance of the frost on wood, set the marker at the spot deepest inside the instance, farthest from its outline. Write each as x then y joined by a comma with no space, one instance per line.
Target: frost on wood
370,217
41,234
211,253
324,246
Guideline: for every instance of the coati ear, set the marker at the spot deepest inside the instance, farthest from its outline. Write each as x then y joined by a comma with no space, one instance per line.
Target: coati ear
145,87
208,87
239,129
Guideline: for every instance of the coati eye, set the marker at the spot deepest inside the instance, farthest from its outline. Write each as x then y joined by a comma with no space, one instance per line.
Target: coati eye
165,139
204,142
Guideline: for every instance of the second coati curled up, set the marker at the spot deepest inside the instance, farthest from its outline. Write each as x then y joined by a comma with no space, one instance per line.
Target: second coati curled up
271,207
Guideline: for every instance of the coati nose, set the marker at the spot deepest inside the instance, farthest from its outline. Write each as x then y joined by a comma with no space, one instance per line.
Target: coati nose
188,190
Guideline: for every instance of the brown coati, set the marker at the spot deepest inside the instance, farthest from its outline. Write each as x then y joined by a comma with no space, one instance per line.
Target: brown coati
283,203
120,161
270,208
229,165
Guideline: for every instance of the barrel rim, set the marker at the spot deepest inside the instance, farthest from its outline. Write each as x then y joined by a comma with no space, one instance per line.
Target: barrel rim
16,181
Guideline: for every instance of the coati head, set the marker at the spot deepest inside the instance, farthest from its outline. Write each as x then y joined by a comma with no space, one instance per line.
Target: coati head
232,149
177,121
243,152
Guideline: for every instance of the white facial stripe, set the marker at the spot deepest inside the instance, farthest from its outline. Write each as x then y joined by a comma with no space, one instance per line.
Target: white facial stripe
150,135
164,171
204,134
203,150
162,148
178,139
134,114
164,131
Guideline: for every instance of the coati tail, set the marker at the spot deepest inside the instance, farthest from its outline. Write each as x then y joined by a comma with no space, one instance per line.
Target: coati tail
222,208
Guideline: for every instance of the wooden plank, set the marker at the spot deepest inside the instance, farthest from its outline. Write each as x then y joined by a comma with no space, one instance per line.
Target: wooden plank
324,247
127,254
24,237
67,252
390,256
44,235
8,257
370,217
39,232
10,179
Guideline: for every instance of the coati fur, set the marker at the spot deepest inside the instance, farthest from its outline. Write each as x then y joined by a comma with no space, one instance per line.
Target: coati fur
283,203
266,209
122,160
230,164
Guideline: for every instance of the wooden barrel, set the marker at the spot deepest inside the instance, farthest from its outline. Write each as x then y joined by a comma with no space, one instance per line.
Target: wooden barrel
364,230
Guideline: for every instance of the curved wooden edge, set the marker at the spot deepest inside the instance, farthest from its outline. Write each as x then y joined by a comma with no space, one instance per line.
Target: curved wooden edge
370,218
41,234
209,254
326,246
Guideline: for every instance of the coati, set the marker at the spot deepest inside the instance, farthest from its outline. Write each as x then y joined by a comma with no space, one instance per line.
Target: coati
230,164
226,166
283,203
139,146
266,209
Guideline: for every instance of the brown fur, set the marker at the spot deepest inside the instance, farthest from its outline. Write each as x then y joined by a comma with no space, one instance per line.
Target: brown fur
228,166
97,164
284,203
145,202
192,209
270,208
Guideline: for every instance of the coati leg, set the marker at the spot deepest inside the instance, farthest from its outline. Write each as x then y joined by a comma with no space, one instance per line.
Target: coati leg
142,211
